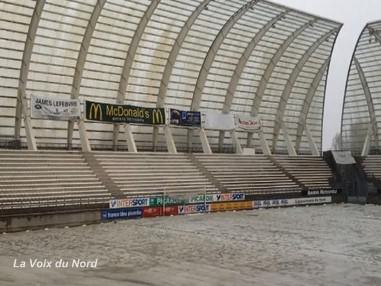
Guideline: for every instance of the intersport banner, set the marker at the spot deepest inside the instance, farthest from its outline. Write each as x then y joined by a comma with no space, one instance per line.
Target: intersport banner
49,107
248,123
120,113
184,118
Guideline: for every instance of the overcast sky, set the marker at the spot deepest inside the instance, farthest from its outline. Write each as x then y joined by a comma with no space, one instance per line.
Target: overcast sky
354,14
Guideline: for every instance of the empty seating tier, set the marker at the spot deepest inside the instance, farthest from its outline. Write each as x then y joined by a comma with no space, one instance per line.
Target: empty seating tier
146,173
372,166
255,174
48,179
312,172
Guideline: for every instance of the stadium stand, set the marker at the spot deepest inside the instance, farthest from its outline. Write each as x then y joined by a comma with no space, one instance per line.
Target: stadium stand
372,166
153,172
48,179
312,172
255,174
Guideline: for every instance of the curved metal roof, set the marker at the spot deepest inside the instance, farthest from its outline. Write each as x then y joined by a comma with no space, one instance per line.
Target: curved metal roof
247,57
362,103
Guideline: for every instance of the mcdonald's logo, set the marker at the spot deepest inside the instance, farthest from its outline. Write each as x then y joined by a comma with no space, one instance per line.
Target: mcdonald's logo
157,116
95,112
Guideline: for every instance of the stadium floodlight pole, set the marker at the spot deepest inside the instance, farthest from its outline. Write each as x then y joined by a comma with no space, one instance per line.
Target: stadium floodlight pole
22,103
76,84
369,99
129,60
210,56
176,47
308,101
241,66
292,80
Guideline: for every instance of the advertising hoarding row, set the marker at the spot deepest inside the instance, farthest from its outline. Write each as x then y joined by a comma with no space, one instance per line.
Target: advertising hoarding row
138,212
175,200
44,107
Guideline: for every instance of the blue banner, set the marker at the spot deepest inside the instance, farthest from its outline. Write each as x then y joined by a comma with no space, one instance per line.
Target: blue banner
121,213
185,118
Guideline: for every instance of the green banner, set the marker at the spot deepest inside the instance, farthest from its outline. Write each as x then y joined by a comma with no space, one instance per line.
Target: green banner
118,113
158,201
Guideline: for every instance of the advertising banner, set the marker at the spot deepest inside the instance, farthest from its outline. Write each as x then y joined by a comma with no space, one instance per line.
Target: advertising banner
311,201
129,203
217,121
231,206
158,201
121,213
228,197
48,107
118,113
290,202
192,209
199,198
247,123
185,118
321,192
158,211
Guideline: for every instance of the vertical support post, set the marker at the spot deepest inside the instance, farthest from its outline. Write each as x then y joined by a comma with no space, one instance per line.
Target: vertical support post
155,138
290,148
83,136
236,143
264,145
311,141
204,142
171,146
366,146
130,138
31,141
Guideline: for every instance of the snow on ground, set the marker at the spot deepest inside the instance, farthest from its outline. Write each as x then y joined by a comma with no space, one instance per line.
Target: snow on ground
321,245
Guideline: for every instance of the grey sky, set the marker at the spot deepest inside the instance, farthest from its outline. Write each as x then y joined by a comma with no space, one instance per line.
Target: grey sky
354,14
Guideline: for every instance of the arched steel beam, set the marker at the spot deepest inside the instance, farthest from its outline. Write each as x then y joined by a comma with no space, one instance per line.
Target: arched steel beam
129,60
81,59
375,33
172,59
369,100
291,82
212,52
245,58
175,51
23,78
308,101
273,63
241,66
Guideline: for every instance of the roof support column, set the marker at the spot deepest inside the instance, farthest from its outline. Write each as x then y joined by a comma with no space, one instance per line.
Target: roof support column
76,85
241,66
210,56
311,141
21,105
129,60
308,101
292,80
369,100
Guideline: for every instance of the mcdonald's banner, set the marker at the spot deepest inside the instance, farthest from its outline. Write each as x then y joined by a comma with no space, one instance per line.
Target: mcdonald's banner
247,122
49,107
118,113
185,118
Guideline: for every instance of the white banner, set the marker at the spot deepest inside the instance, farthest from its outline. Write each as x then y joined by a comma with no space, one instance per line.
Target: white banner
247,122
217,121
45,107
